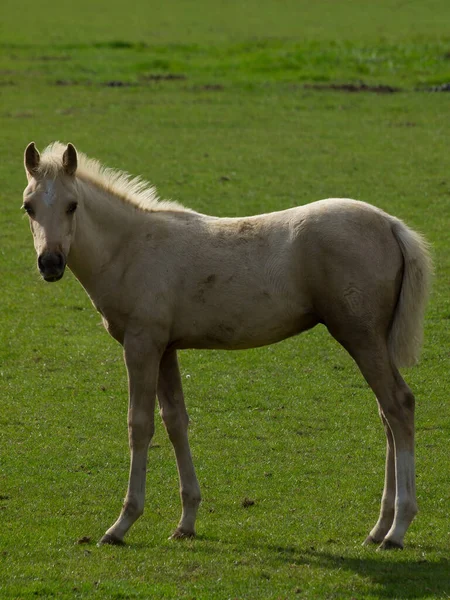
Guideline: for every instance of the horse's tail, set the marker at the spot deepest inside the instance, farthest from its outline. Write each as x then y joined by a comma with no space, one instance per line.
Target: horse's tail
406,334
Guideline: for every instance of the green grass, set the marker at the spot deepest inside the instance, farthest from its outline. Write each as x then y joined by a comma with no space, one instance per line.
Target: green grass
418,63
292,427
402,44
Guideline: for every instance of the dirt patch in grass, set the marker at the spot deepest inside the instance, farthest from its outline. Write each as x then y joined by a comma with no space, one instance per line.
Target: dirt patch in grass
67,82
210,87
247,502
84,540
164,77
352,87
117,83
26,114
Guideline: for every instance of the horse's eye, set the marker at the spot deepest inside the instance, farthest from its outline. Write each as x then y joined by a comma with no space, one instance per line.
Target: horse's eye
28,209
72,208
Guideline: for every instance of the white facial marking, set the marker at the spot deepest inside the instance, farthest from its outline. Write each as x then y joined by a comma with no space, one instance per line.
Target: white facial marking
49,193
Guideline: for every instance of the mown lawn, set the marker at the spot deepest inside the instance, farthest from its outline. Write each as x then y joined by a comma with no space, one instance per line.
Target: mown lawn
208,101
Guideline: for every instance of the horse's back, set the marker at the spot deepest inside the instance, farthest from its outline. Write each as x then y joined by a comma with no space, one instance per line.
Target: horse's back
256,280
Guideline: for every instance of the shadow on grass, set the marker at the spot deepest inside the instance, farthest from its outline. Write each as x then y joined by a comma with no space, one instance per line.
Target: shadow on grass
394,574
404,578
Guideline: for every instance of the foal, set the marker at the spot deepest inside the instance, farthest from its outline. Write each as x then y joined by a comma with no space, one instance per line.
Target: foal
165,278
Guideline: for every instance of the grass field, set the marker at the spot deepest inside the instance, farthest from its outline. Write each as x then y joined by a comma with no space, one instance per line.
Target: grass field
216,103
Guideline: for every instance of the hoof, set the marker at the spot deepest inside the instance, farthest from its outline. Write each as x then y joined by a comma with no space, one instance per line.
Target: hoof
111,539
370,541
180,534
390,545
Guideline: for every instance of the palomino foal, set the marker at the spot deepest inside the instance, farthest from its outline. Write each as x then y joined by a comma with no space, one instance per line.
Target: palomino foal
165,278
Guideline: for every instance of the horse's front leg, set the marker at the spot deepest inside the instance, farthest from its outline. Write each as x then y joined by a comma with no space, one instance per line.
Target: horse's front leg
174,415
142,361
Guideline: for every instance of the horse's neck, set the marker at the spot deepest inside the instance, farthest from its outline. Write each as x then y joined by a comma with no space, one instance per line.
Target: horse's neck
103,223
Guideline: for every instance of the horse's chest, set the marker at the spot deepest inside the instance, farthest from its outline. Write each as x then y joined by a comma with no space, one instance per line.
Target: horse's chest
115,329
114,323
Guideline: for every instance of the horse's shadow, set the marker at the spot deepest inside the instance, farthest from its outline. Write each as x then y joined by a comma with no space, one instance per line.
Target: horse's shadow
409,578
405,579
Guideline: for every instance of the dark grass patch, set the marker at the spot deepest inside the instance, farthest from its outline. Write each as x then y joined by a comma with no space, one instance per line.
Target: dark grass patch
210,87
164,77
68,82
116,83
120,45
444,87
26,114
119,83
52,58
352,87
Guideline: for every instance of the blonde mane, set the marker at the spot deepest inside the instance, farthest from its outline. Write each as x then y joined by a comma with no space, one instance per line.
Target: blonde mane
132,190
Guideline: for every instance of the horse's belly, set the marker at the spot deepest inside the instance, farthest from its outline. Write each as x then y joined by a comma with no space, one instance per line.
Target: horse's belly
240,331
243,300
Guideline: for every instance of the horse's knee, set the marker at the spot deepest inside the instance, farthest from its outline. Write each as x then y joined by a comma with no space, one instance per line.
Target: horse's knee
190,496
174,420
141,428
408,400
403,405
399,413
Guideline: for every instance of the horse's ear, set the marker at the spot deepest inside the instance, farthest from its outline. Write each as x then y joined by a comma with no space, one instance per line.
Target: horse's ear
31,159
70,160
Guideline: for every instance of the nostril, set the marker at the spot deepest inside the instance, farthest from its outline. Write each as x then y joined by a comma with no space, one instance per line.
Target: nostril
59,260
51,261
62,261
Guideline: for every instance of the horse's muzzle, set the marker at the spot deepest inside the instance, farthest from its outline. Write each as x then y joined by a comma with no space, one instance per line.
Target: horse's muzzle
51,265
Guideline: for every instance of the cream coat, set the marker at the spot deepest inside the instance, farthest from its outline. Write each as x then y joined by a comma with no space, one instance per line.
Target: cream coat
166,278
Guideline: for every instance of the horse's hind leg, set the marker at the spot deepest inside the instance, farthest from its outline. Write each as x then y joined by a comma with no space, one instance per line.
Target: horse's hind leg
397,409
387,511
396,404
175,418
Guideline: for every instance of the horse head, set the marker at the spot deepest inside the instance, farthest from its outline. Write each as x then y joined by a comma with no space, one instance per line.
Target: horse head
50,200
